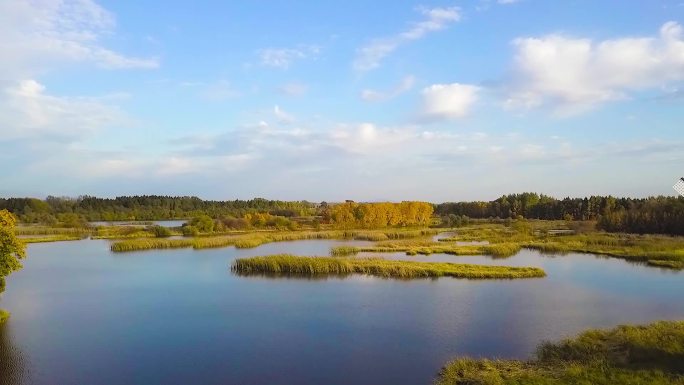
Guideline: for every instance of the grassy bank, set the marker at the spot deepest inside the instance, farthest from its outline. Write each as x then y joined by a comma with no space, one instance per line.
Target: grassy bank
258,238
655,250
4,316
429,247
52,238
651,354
294,265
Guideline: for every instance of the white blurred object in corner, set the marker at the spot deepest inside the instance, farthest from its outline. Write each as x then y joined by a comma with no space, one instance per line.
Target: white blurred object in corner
679,186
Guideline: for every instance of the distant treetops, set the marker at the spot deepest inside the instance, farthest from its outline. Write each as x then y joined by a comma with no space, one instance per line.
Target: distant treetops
374,215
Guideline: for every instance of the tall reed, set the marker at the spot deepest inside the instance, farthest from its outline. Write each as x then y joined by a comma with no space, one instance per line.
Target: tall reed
295,265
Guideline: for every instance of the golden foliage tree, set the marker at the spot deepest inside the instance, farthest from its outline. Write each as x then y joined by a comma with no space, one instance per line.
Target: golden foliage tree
374,215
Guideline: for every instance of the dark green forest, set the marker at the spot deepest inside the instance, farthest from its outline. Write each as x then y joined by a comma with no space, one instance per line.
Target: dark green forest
145,208
654,215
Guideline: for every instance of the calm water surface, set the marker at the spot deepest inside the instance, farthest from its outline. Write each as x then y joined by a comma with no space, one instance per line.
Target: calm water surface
164,223
83,315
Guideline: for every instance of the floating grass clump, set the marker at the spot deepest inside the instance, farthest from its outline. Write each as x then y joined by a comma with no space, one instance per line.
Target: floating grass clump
4,316
294,265
651,354
150,244
501,249
341,251
429,247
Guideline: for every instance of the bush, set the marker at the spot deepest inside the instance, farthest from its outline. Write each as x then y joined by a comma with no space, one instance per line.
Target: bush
160,231
190,231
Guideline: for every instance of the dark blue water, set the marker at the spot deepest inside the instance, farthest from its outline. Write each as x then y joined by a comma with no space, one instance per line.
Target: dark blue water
84,315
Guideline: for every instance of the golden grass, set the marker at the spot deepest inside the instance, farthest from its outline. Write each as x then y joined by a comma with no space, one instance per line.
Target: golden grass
258,238
52,238
651,354
307,266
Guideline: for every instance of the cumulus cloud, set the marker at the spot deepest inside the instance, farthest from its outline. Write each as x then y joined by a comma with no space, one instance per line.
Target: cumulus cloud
405,85
574,74
449,101
28,111
36,35
371,55
43,35
284,57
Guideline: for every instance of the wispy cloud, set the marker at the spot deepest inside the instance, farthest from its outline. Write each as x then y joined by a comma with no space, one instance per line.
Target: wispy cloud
36,36
406,84
284,57
371,55
293,89
217,91
282,116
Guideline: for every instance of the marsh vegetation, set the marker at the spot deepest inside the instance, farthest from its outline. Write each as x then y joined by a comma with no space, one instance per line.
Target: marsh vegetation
651,354
285,264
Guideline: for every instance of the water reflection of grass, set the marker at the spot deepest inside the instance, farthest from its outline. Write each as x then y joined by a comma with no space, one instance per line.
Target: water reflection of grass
312,266
651,354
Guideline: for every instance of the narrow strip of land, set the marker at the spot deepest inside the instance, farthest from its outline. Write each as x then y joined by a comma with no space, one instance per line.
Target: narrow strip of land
310,266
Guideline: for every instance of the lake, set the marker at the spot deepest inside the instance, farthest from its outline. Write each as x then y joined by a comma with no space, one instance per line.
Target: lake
163,223
84,315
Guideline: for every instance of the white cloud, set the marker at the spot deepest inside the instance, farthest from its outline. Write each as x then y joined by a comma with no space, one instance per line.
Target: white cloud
284,57
27,111
370,56
575,74
449,101
36,35
405,85
505,2
282,116
367,138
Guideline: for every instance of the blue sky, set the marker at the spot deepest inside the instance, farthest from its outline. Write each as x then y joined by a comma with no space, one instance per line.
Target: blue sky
326,100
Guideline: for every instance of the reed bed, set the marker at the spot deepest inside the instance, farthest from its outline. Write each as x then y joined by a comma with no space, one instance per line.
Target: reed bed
52,238
150,244
255,239
44,230
426,248
659,251
310,266
341,251
213,242
649,354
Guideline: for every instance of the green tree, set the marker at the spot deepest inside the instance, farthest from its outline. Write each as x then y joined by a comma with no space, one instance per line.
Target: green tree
11,250
203,223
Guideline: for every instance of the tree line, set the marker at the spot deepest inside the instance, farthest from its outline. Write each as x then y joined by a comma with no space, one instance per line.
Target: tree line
145,208
656,215
659,215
